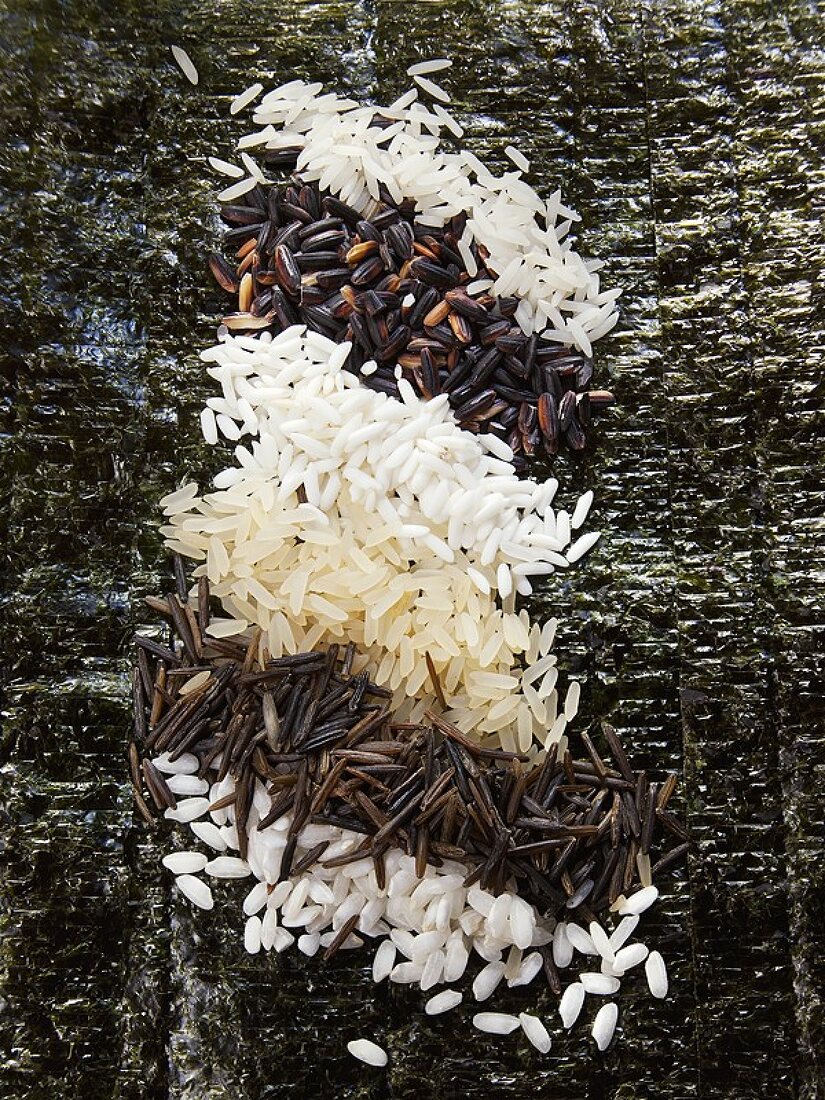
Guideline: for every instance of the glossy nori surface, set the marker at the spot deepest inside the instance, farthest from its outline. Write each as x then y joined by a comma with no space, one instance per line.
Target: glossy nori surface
685,133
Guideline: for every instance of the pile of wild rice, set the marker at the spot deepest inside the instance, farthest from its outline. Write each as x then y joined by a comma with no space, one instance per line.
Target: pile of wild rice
372,724
400,292
305,735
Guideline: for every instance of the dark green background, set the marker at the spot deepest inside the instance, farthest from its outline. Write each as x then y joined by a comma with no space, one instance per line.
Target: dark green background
689,135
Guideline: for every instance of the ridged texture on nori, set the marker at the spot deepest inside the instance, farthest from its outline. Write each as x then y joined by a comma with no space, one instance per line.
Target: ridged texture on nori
684,132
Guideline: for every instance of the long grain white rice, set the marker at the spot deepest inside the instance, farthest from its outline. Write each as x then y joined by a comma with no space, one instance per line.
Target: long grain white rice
245,98
186,64
184,863
495,1023
421,68
582,508
518,158
386,559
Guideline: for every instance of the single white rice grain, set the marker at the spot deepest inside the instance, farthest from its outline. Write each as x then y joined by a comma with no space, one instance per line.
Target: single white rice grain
580,940
186,764
184,863
384,960
309,944
225,168
235,190
599,984
228,867
256,899
420,68
194,682
582,544
365,1050
209,833
443,1002
581,509
195,890
187,810
622,932
530,967
656,974
186,64
639,902
518,158
536,1032
630,956
571,1003
245,98
209,425
226,628
187,785
252,935
437,92
562,947
571,700
604,1024
495,1023
487,980
601,941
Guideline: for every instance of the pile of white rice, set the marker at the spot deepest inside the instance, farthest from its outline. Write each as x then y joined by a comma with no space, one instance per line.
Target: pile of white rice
354,517
344,149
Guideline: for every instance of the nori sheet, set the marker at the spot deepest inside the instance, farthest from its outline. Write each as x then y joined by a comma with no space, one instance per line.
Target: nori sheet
688,133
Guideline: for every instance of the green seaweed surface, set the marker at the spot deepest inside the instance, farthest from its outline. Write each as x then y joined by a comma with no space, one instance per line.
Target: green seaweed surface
686,133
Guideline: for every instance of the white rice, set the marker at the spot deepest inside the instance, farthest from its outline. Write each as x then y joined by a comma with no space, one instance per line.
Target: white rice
536,1032
195,890
433,89
656,974
226,168
571,1003
495,1023
639,902
402,507
184,863
420,68
365,1050
186,64
245,98
604,1025
518,158
443,1002
599,984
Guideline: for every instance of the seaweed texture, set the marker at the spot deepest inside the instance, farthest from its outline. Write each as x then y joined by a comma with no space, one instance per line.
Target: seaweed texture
685,133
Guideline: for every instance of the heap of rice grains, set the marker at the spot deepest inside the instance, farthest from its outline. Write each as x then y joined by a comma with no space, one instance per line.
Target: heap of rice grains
356,825
401,294
409,330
